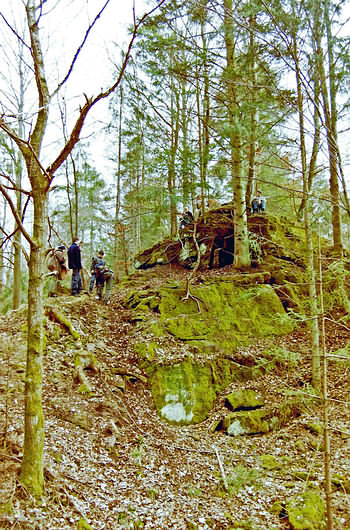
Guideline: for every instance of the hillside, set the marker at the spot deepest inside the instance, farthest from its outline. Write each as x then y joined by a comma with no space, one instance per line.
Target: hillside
113,462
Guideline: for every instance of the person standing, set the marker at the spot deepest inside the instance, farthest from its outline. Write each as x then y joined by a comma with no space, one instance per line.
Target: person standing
104,277
97,261
56,263
74,263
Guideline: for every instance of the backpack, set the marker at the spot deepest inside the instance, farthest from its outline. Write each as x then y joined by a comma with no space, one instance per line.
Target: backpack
99,267
107,273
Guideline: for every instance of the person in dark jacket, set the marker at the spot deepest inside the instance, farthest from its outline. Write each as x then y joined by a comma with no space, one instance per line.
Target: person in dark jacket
74,263
104,277
97,261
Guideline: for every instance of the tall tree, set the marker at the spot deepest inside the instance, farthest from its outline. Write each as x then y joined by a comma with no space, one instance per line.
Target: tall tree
330,114
241,251
41,180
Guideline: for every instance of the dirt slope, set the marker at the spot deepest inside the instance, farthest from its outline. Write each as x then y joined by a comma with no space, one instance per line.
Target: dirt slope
112,462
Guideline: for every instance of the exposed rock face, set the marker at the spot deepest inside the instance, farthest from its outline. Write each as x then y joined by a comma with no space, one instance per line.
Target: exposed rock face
222,315
269,236
184,393
230,316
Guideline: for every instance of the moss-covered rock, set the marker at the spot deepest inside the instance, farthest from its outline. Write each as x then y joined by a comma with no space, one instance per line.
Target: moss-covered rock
244,399
247,422
306,511
83,525
229,316
185,393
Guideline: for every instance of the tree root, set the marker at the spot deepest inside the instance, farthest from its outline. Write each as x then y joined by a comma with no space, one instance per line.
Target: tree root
188,295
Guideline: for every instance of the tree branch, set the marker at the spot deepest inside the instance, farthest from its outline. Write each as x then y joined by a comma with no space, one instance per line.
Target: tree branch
79,50
90,102
15,214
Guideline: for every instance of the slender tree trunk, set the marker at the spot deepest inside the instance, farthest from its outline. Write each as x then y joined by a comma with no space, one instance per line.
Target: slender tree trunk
174,142
310,269
252,116
326,440
18,171
200,143
330,121
16,299
118,188
205,108
185,160
241,251
32,469
2,264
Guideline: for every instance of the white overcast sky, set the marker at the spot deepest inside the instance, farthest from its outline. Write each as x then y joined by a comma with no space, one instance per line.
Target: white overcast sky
63,27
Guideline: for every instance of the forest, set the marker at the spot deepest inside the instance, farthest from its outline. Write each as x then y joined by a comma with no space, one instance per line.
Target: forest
213,391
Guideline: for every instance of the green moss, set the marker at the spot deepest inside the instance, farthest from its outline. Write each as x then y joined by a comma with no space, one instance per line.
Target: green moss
239,314
341,482
83,525
246,399
6,508
184,393
146,351
315,428
84,389
306,511
269,462
247,422
59,317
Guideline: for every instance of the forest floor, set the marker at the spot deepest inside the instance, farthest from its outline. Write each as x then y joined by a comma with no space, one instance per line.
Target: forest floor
112,462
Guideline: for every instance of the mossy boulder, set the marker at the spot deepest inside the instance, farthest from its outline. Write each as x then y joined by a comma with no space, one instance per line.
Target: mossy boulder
306,511
244,399
185,393
247,422
259,420
229,316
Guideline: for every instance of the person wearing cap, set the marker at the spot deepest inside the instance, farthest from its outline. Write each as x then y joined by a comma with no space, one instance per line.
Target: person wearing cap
74,263
96,263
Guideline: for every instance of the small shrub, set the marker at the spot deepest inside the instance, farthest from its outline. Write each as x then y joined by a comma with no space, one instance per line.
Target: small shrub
241,476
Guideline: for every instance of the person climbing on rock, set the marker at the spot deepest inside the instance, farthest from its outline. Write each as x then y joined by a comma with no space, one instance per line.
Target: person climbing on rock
258,203
186,219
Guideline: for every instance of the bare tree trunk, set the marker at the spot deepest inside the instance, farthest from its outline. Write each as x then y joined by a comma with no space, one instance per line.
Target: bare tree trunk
241,251
118,188
174,142
330,121
16,294
326,441
18,171
310,269
32,469
252,116
2,264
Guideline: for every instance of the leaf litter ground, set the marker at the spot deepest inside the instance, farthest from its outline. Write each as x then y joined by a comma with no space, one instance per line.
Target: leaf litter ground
110,459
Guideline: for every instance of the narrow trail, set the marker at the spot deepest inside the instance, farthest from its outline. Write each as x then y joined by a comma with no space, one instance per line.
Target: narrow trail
111,460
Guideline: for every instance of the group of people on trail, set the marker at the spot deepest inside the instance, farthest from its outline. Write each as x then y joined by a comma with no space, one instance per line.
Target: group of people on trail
100,274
